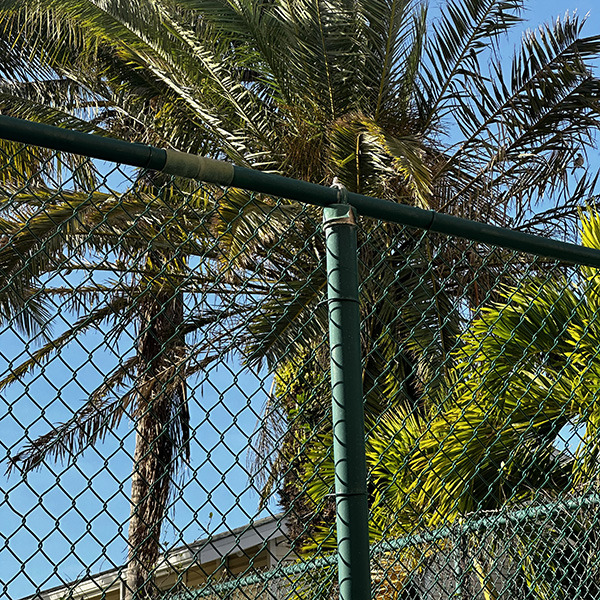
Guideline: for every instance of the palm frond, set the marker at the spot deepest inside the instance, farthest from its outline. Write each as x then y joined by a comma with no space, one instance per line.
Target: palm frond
530,129
101,414
93,318
466,28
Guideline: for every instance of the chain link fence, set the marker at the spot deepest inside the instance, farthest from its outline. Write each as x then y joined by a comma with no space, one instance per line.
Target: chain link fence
166,421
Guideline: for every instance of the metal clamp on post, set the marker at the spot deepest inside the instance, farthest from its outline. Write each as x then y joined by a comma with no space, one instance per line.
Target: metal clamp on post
338,214
342,192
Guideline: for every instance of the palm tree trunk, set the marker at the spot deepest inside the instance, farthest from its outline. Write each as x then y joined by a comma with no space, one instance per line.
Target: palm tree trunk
162,411
149,494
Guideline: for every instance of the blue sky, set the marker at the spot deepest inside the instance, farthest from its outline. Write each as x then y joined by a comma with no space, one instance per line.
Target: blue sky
543,10
78,517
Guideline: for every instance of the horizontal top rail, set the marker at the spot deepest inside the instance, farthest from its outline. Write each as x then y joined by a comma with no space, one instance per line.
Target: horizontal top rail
209,170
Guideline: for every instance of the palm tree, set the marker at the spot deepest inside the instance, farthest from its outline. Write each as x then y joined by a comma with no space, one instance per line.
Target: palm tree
132,261
313,90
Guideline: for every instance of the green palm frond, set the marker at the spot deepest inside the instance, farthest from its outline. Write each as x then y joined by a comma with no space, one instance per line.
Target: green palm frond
536,367
390,446
530,128
365,156
470,461
291,316
392,40
463,32
531,329
250,230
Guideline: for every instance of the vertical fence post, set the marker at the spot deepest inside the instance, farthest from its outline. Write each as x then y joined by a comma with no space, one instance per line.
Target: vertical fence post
339,225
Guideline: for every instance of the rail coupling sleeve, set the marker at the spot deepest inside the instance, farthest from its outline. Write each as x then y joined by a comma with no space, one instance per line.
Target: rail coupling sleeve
197,167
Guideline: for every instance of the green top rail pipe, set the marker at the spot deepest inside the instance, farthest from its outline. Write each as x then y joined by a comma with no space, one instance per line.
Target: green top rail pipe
220,172
411,216
86,144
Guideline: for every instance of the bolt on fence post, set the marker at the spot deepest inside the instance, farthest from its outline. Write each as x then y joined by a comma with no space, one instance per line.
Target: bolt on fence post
339,225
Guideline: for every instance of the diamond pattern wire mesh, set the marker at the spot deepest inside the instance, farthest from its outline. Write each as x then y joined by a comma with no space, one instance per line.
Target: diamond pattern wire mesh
198,317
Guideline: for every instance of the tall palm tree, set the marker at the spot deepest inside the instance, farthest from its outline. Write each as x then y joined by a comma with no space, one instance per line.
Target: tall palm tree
132,261
313,90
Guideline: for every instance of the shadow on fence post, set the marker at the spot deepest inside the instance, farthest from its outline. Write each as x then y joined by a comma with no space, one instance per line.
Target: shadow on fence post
339,225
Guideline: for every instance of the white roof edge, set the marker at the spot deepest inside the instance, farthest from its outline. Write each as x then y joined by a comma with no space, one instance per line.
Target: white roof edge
199,552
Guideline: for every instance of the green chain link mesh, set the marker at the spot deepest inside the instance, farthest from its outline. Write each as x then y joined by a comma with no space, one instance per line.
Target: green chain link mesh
171,336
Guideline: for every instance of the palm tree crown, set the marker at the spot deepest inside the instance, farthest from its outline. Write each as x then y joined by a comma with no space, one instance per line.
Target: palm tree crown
368,92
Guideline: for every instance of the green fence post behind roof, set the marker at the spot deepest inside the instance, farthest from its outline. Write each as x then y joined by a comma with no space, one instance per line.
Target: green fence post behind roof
348,414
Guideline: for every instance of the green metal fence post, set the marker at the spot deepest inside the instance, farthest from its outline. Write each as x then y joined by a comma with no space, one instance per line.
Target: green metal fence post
348,414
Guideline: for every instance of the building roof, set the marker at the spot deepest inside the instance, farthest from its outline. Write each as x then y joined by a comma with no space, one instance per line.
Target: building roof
202,551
